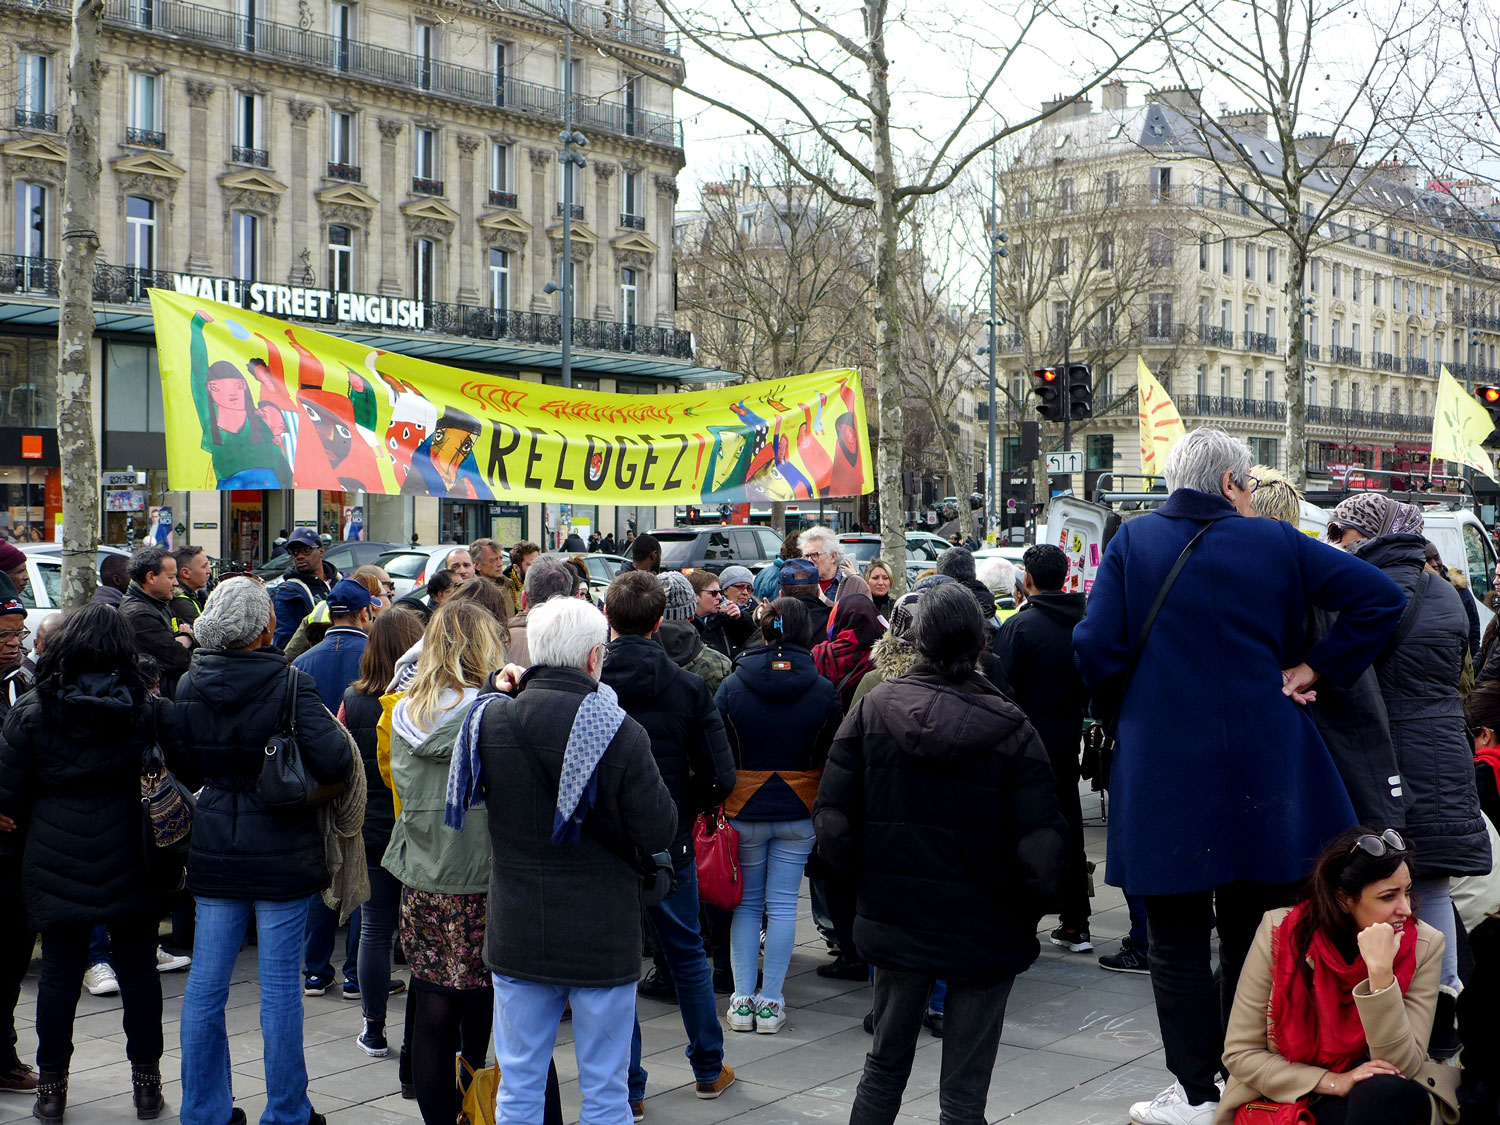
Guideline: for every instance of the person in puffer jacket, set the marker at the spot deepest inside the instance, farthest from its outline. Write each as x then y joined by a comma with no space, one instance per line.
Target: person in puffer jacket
938,799
781,715
245,857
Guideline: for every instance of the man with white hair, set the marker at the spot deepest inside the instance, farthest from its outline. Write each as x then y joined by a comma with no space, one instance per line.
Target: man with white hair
1223,792
576,808
820,545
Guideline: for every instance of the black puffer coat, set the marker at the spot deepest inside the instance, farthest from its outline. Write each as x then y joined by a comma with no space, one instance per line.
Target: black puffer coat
70,776
938,798
361,714
228,705
1035,648
686,729
1419,684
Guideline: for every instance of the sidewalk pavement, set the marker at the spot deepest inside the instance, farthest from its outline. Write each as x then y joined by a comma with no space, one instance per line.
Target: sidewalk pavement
1079,1046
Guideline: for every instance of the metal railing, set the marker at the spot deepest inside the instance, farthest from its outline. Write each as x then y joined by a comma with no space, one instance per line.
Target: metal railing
349,172
1416,366
607,22
1223,406
1345,418
1311,350
239,154
1349,356
126,285
331,54
577,211
32,119
146,138
503,199
1215,336
1260,342
421,185
1385,361
634,222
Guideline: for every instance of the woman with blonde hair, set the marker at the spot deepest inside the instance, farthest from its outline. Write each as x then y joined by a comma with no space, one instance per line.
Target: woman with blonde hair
444,873
1273,494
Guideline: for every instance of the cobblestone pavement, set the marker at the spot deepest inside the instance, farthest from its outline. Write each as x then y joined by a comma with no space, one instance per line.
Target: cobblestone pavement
1080,1045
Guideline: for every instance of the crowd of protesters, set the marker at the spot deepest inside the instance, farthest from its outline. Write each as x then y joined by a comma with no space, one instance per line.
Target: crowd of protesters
515,784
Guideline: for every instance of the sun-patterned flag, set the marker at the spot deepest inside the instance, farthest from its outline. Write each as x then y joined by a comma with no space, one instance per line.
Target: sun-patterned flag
1161,425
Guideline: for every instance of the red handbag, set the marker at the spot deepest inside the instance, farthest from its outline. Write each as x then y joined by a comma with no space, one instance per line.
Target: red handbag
717,844
1275,1113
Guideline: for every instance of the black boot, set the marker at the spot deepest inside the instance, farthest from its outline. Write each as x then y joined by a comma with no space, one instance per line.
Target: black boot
51,1095
146,1084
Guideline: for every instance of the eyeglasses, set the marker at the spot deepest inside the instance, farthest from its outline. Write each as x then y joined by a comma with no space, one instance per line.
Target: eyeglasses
714,593
1388,841
13,636
389,587
812,554
300,549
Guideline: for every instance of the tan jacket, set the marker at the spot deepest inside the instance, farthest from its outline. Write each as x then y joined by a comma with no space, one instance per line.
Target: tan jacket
1396,1029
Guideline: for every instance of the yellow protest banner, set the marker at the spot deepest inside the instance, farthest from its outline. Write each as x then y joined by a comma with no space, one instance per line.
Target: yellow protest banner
254,402
1161,425
1459,425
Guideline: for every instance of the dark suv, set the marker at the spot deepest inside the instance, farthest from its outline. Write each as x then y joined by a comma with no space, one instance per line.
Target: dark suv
715,547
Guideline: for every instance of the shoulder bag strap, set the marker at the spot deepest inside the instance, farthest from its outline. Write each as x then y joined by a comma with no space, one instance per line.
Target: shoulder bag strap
288,723
1409,614
1161,597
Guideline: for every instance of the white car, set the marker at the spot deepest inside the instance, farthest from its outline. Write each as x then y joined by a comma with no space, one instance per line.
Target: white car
411,567
43,594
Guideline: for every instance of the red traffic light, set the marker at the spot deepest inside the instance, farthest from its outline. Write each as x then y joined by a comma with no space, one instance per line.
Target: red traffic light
1489,395
1046,374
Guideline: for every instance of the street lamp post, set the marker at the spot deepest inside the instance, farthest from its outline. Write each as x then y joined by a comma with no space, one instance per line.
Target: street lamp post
998,250
570,158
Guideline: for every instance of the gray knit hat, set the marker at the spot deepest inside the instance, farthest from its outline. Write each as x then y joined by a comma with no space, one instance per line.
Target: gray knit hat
236,613
734,575
681,601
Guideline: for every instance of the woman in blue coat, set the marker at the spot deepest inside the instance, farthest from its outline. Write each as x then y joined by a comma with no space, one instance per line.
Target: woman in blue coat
1222,791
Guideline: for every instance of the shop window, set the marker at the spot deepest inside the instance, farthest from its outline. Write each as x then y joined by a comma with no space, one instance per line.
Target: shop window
132,390
28,383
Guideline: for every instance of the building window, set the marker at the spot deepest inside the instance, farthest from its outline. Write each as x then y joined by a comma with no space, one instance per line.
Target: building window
1224,315
31,219
499,280
1312,390
1358,277
1159,316
1249,323
630,197
1106,243
1271,265
132,390
1060,256
1111,188
1249,261
1247,384
1100,452
1161,184
1333,394
343,26
340,259
1263,451
145,111
1313,274
1159,248
502,53
1203,251
424,154
1202,381
343,157
140,233
1375,400
1268,387
34,100
425,43
249,145
423,269
1271,322
1354,337
1228,255
500,167
1375,289
629,294
245,255
1065,194
1223,381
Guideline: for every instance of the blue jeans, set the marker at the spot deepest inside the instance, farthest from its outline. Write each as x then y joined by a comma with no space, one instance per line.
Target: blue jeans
207,1097
1140,936
772,856
322,928
377,921
675,923
99,946
526,1019
939,996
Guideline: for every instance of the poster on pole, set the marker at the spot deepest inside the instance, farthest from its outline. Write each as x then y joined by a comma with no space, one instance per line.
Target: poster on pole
252,402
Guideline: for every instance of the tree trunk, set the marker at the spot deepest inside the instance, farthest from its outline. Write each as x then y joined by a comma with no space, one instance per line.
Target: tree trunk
889,390
1296,366
958,473
778,517
75,363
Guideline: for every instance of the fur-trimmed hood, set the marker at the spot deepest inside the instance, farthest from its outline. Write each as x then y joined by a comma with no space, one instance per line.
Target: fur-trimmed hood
893,657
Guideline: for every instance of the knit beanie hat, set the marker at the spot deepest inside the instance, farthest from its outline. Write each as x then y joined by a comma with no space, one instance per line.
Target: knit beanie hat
234,616
681,601
11,558
734,575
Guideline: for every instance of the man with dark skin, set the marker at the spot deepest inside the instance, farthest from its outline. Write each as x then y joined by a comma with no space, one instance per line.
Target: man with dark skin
303,584
645,554
113,580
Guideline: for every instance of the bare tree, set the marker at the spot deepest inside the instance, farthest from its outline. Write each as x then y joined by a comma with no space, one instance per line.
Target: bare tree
1332,134
80,246
831,82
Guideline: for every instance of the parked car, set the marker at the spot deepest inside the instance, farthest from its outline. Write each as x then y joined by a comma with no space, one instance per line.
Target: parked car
43,593
602,569
346,557
922,549
716,546
410,567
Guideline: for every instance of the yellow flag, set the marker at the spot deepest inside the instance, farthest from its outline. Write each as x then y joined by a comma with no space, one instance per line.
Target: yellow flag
1161,425
1459,425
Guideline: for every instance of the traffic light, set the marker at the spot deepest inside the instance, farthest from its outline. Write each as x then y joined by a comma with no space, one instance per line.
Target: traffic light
1489,398
1080,392
1048,390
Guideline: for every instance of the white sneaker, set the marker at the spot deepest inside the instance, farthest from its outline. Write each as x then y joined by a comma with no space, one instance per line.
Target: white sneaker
170,963
769,1016
100,980
1171,1107
741,1014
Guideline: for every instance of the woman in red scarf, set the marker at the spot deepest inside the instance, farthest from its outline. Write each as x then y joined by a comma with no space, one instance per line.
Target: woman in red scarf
1335,1002
845,657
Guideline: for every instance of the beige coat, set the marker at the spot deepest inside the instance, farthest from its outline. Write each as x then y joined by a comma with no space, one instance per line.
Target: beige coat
1396,1028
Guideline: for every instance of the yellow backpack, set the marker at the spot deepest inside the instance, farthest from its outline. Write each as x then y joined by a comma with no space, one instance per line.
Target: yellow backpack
383,744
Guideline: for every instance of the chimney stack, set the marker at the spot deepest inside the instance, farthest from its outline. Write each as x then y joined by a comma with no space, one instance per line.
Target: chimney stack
1114,95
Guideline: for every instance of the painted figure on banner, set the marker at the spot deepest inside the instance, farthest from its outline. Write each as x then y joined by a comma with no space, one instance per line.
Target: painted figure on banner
245,452
444,464
413,418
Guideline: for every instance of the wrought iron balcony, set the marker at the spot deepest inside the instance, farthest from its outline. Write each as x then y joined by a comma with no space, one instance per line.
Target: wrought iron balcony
577,211
1311,350
1260,342
503,199
348,172
1346,419
146,138
31,119
1214,336
634,222
259,157
1385,361
421,185
1224,406
1416,366
330,54
1347,356
124,285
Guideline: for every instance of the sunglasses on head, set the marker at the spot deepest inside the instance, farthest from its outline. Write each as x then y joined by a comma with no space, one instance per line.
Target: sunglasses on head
1388,841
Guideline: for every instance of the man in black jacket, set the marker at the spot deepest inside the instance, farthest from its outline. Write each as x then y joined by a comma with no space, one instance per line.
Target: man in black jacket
17,941
153,580
564,910
938,800
1035,646
303,584
692,752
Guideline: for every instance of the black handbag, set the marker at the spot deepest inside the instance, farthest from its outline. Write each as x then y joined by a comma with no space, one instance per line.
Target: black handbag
285,782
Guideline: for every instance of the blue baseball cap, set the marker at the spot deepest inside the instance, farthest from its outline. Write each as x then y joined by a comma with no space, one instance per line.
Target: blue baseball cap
798,572
306,536
348,596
